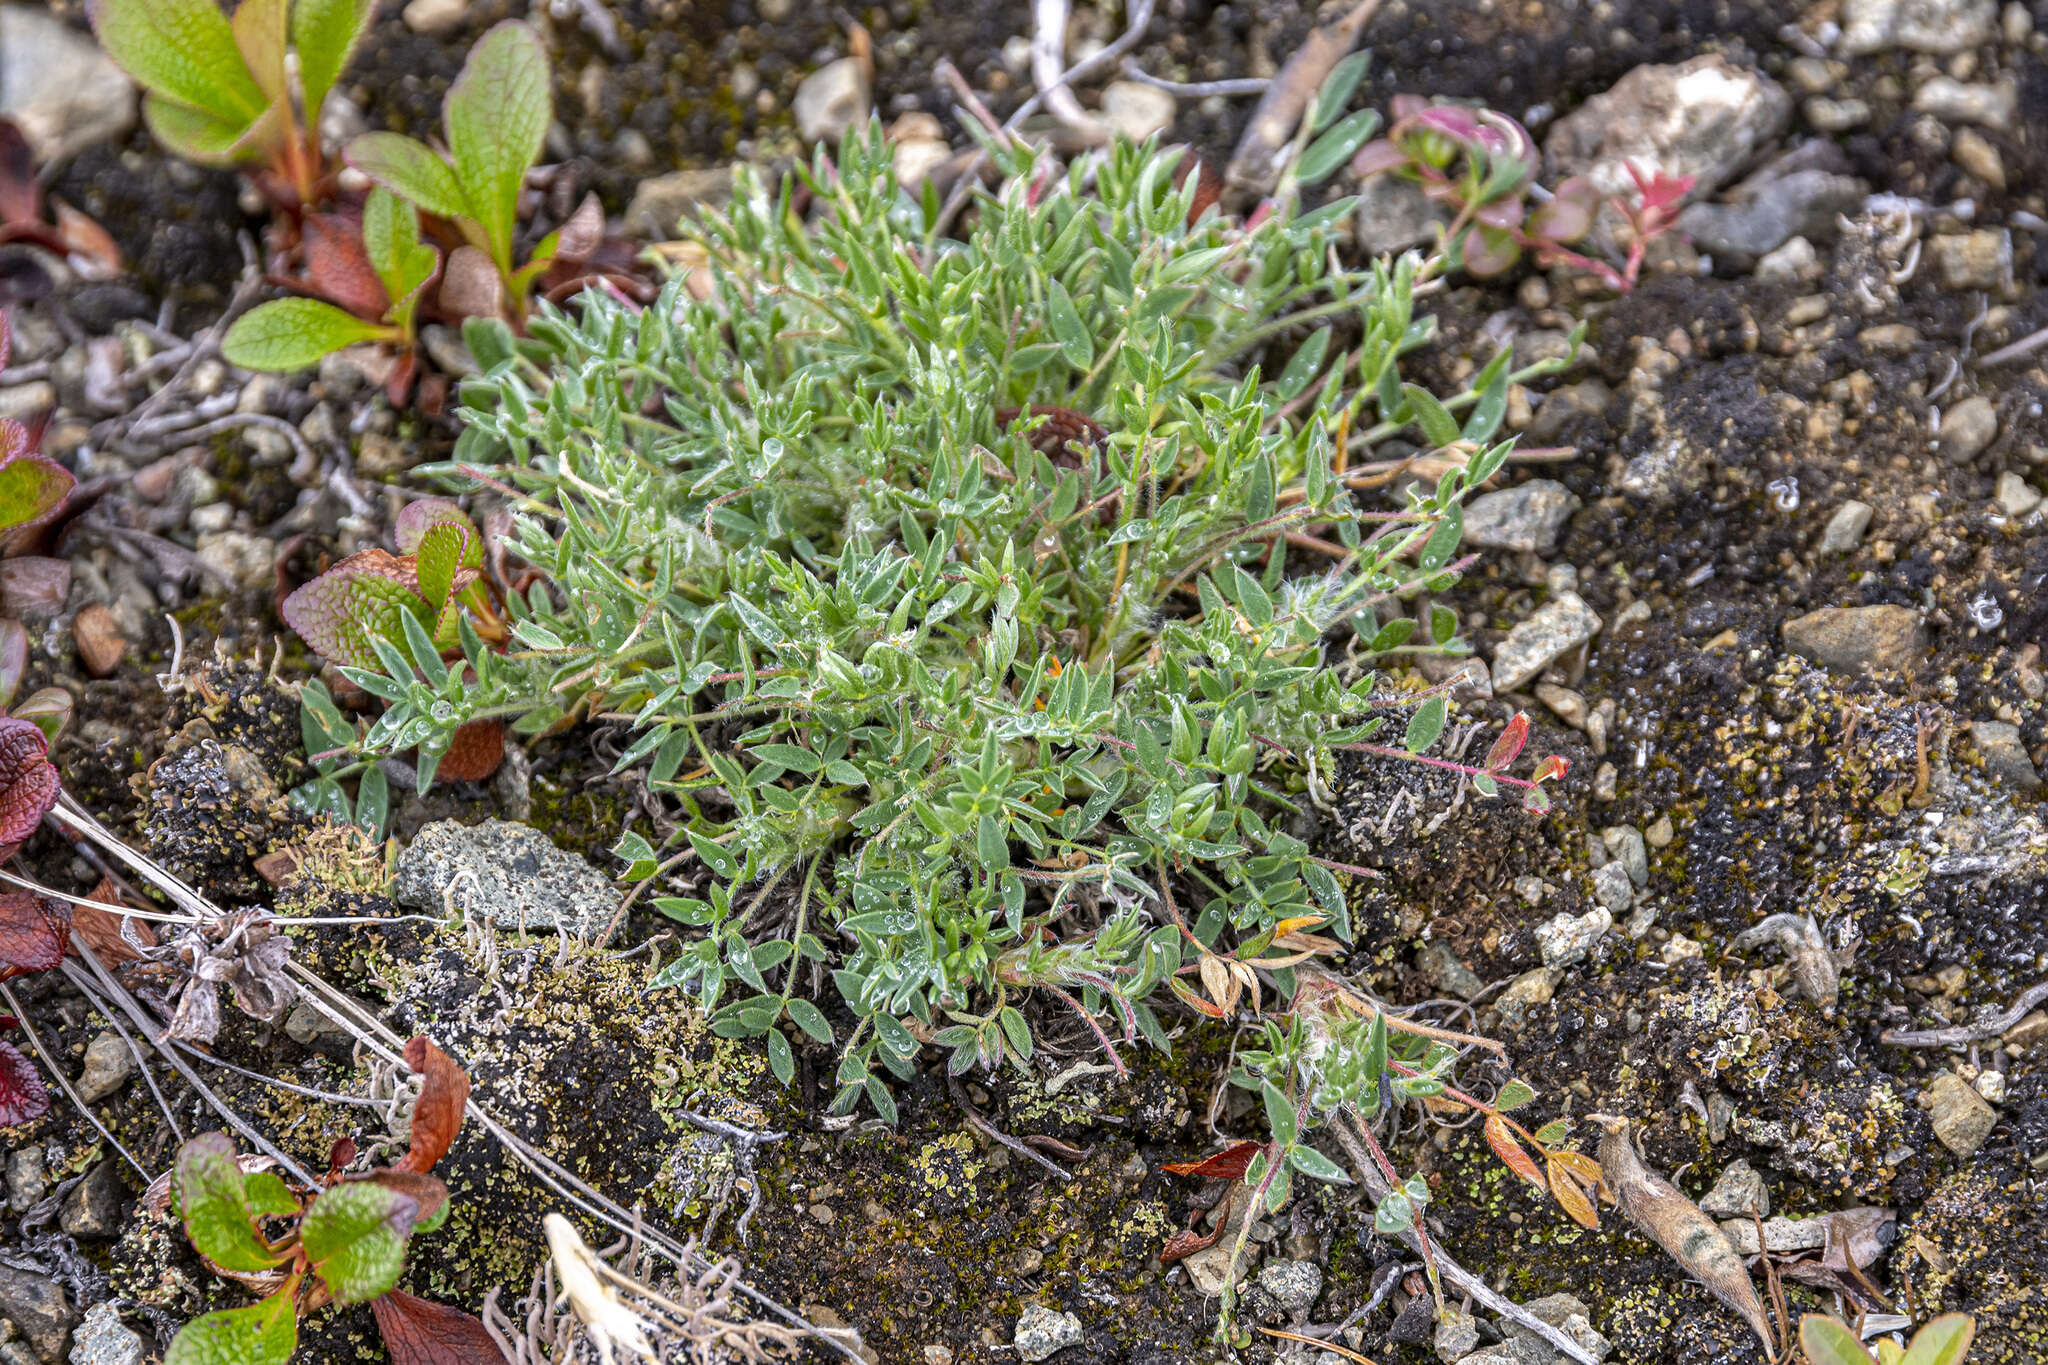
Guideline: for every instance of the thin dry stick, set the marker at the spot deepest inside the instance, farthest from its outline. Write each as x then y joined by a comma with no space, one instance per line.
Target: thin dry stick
1970,1033
1195,90
1453,1274
995,1134
1255,165
2025,346
141,1062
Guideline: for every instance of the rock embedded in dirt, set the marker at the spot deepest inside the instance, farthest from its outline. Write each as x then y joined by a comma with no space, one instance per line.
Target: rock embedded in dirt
92,1211
832,99
1799,204
108,1066
1844,531
1780,1234
1457,1333
509,873
1136,110
33,588
1525,518
57,86
2005,754
102,1339
1394,214
1294,1285
1967,428
1041,1332
1569,1315
662,202
1974,260
1568,938
1557,627
1978,156
1879,639
101,646
36,1304
1613,889
1626,846
434,17
2015,496
1936,26
1706,118
25,1179
1962,1120
1737,1193
1954,101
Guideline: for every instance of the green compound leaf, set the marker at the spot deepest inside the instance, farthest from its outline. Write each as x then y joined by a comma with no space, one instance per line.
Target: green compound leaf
219,1204
497,116
266,1333
292,334
355,1235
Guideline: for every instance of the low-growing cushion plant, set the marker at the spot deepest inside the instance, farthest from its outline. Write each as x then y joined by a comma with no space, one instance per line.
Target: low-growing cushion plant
986,609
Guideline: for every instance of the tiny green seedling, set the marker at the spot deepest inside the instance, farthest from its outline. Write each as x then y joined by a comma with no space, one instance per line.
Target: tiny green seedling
219,91
496,119
291,334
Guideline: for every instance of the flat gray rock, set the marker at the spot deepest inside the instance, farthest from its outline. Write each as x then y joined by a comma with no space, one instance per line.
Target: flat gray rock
1859,639
1526,517
58,86
1555,628
508,873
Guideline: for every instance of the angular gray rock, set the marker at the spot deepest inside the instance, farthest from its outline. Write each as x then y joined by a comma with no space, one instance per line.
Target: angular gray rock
1041,1332
1801,204
1525,518
92,1210
36,1304
58,86
1567,938
1555,628
509,873
661,202
1737,1193
2005,754
1706,117
832,99
1844,531
1294,1285
1939,26
1849,639
102,1339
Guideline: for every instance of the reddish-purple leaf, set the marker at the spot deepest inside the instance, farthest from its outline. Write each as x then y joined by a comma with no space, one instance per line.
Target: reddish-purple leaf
28,784
1568,215
1510,743
1489,251
33,933
427,1193
1557,765
444,1090
1376,156
1228,1164
421,1332
338,267
107,933
22,1096
474,753
357,601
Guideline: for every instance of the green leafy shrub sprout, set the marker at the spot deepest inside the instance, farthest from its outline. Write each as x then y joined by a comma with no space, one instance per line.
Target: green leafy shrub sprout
977,604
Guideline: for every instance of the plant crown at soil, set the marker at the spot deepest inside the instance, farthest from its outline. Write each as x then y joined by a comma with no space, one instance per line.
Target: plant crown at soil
937,710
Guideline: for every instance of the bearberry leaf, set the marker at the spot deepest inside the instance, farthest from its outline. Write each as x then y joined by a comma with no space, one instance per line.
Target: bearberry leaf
220,1204
391,239
181,50
28,784
326,32
356,602
265,1333
32,486
22,1096
355,1235
291,334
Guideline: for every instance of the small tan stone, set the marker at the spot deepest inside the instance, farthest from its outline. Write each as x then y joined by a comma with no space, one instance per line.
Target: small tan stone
101,645
1962,1120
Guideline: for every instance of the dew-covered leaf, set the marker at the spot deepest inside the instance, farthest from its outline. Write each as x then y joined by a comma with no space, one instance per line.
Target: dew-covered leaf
358,600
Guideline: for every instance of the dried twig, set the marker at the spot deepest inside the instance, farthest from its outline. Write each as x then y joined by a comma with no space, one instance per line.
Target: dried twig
1957,1034
1256,163
1048,61
997,1135
2018,350
63,1081
1195,90
1455,1275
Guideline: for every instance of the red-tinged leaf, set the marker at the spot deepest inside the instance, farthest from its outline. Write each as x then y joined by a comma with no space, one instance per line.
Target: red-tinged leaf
1194,1000
1374,157
33,933
1535,801
1510,743
338,268
1186,1243
443,1092
1511,1152
340,1154
1557,765
22,1096
32,486
1571,1198
474,752
357,600
1228,1164
103,930
421,1332
582,234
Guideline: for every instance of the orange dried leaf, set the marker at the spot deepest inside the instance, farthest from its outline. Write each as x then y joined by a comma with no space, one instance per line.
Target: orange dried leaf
1564,1187
1288,926
1511,1152
1186,1243
444,1090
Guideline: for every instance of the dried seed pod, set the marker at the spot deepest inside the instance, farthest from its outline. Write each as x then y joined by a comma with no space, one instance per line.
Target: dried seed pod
1675,1223
1815,968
